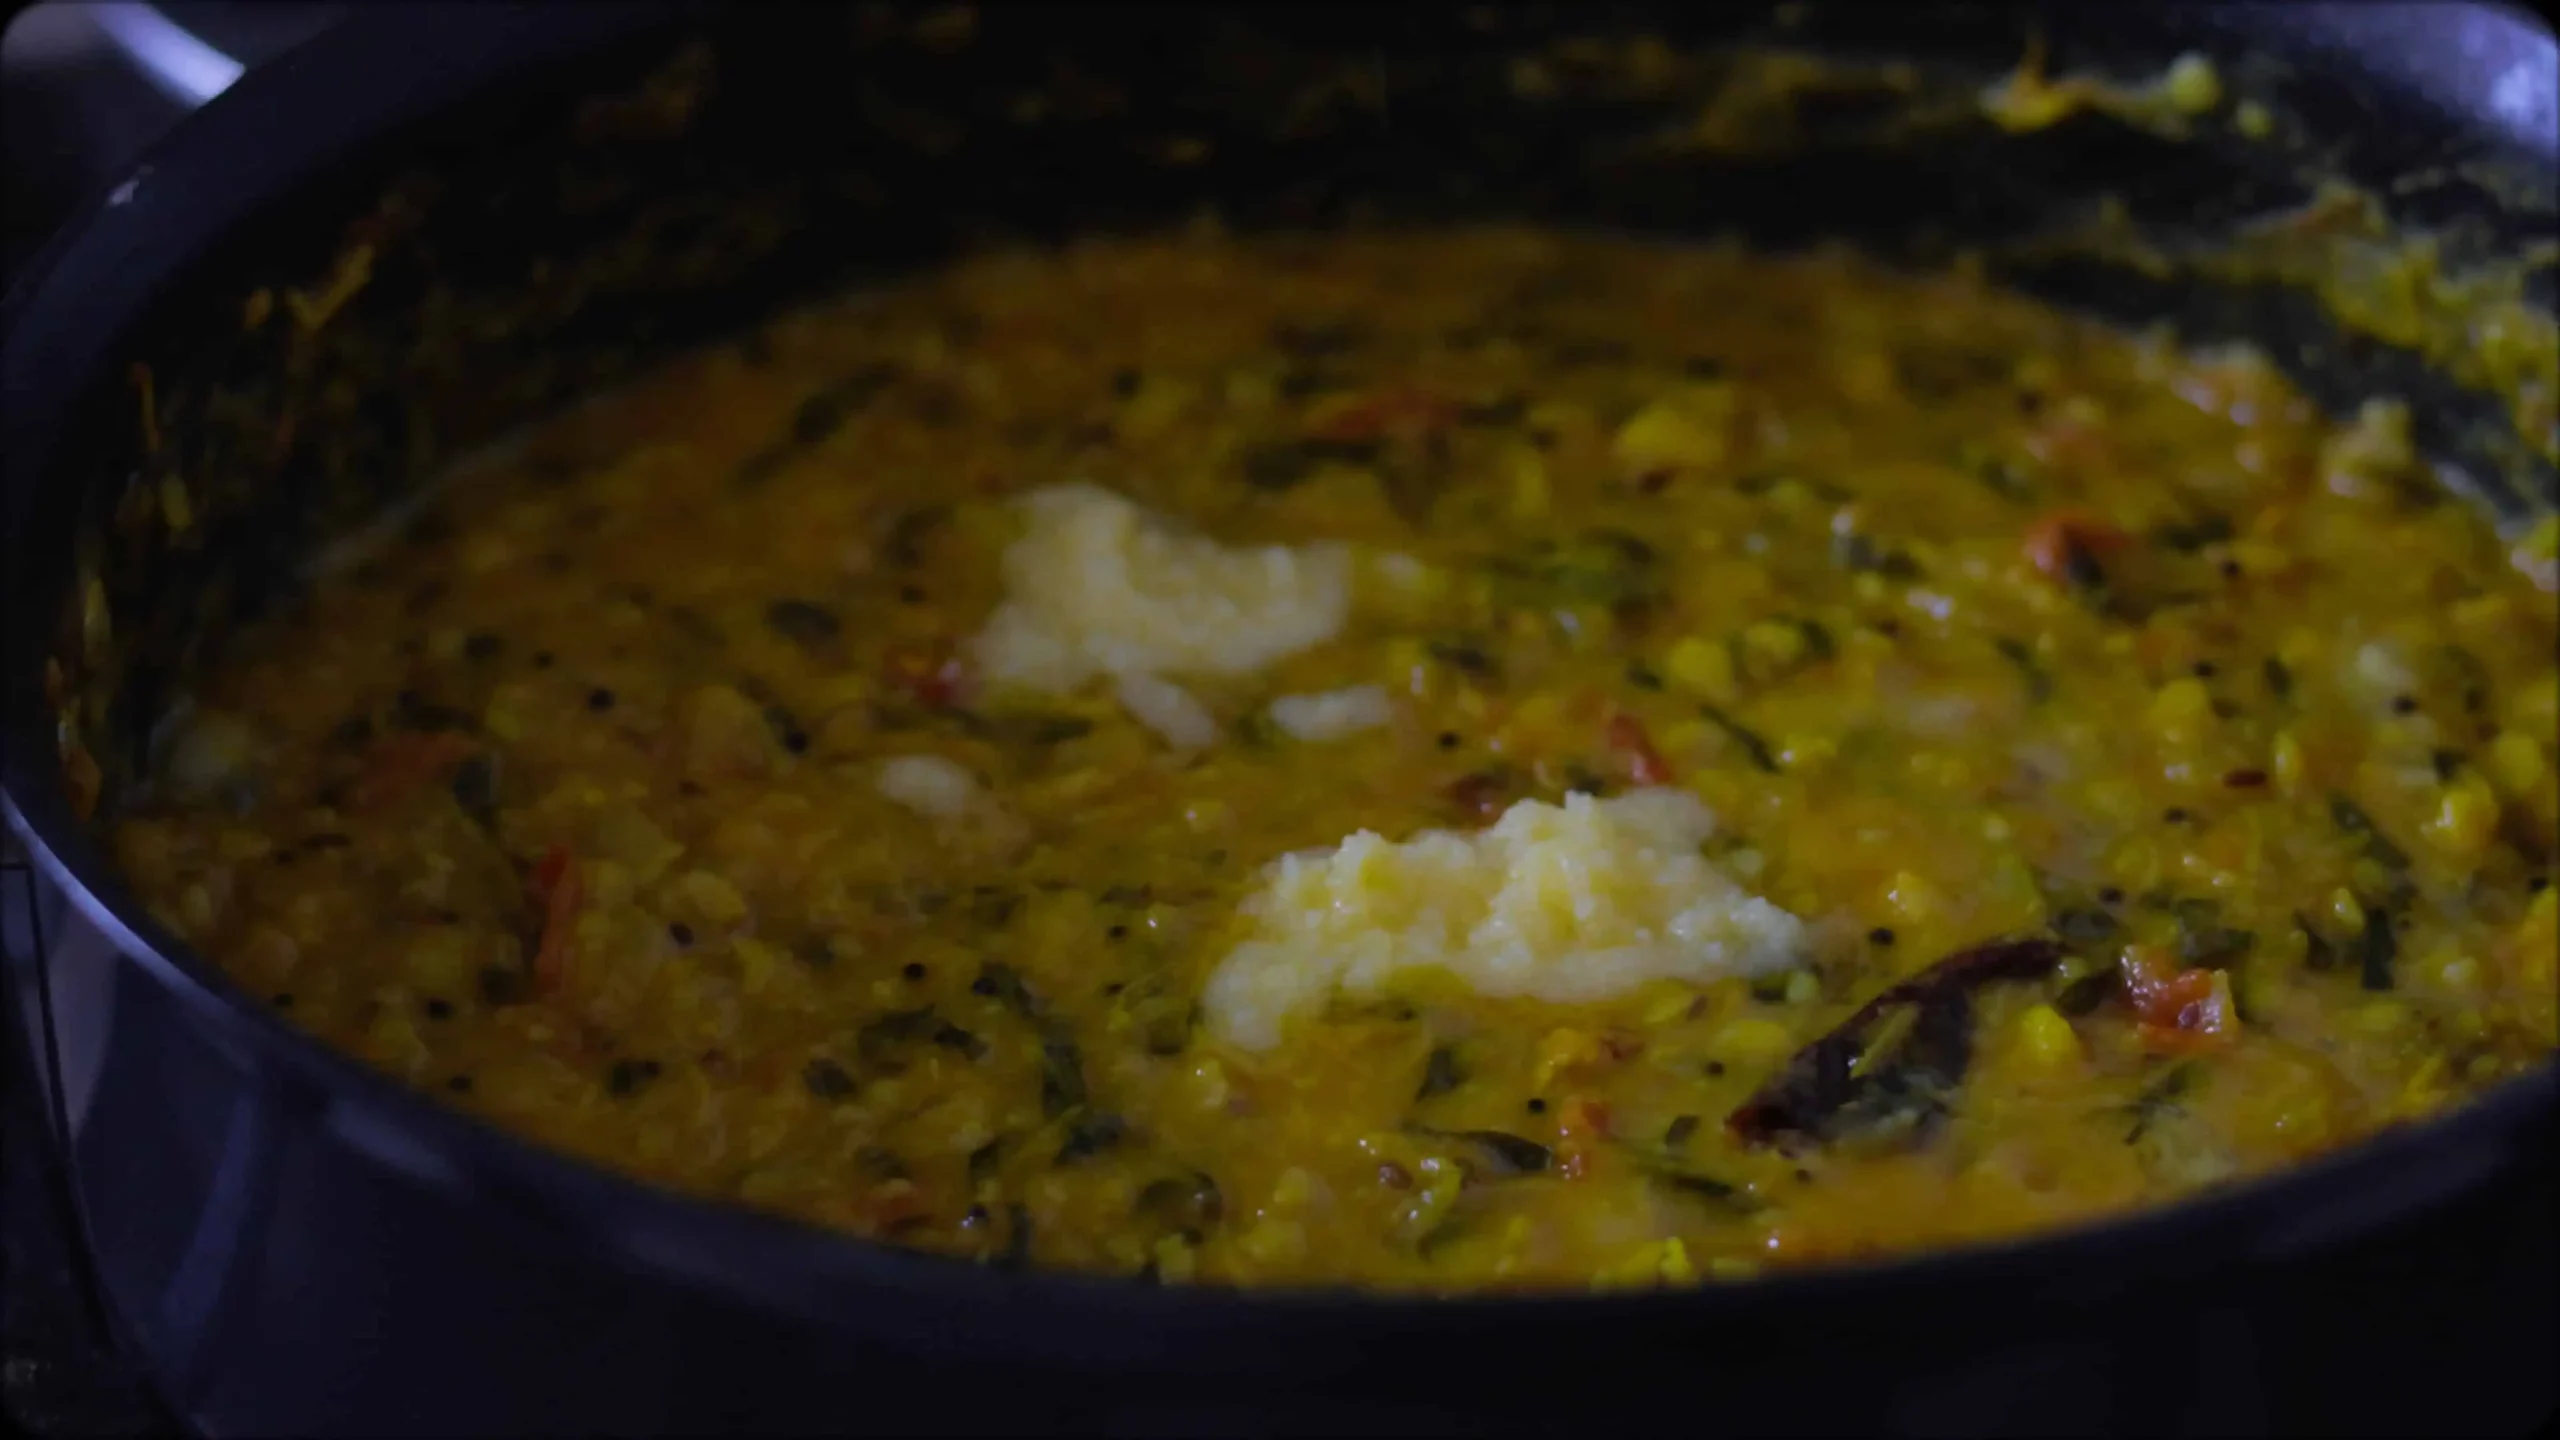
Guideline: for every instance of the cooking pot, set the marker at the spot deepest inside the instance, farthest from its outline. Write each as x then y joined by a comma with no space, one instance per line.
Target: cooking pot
436,222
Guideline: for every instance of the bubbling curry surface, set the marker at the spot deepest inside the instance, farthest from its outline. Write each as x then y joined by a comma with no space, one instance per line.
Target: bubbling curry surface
1487,758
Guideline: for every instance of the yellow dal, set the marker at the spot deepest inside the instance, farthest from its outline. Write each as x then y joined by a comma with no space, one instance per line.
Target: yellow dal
1779,512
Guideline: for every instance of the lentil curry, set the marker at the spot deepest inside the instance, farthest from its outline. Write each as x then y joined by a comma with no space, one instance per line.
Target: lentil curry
1442,760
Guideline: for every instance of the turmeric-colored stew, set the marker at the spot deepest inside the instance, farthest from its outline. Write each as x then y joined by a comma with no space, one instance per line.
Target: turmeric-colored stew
1474,759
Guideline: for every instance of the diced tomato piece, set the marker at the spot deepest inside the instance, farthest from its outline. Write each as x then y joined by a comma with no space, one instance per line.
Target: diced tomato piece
1402,410
893,1204
1583,1118
945,685
2177,1009
557,886
2060,544
1645,765
399,764
550,869
934,676
2068,440
1479,794
1584,1123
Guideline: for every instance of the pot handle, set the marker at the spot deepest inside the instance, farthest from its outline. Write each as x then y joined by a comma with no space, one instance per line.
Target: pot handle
177,62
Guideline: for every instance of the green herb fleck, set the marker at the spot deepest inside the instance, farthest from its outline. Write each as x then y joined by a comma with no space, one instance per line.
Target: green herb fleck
1062,1086
881,1035
1191,1203
1497,1154
475,789
1753,745
2039,680
2160,1098
1466,656
1440,1073
2351,818
827,1080
803,622
1090,1136
2381,947
2189,536
627,1078
2085,925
